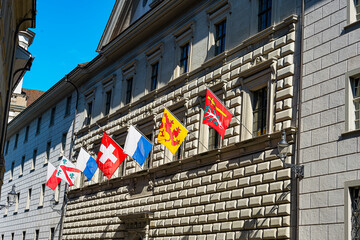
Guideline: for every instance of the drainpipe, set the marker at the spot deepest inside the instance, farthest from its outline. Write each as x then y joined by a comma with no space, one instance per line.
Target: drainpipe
70,153
9,91
299,127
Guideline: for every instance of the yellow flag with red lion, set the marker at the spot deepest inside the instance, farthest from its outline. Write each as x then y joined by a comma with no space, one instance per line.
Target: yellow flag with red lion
172,133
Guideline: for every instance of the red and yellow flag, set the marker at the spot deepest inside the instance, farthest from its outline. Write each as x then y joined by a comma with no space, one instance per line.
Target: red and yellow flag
172,133
216,115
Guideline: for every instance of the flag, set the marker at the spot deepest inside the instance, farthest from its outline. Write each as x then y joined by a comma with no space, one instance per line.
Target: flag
52,180
110,156
137,146
216,114
86,163
67,171
172,133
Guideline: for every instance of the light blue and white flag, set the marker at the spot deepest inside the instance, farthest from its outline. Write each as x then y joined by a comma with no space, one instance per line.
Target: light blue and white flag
87,164
137,146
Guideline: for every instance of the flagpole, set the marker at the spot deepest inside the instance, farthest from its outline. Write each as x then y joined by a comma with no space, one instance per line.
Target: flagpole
70,152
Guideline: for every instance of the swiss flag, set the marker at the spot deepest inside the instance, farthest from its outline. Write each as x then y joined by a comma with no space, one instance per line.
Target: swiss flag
52,180
216,115
110,156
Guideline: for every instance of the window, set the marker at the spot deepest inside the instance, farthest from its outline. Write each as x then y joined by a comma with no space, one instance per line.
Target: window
63,144
148,159
26,133
16,140
33,163
259,111
183,38
352,209
108,102
17,203
153,57
154,75
36,237
353,11
42,194
23,235
52,234
220,37
28,200
7,146
47,153
214,139
129,83
89,113
352,103
12,236
12,170
38,125
264,17
68,106
355,87
184,58
22,165
57,194
52,116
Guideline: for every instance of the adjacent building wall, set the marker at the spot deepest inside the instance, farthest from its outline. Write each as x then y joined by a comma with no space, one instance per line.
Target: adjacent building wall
329,139
32,214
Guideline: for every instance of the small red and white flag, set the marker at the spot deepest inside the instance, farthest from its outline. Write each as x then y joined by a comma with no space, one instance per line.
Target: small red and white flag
216,115
67,171
110,156
52,180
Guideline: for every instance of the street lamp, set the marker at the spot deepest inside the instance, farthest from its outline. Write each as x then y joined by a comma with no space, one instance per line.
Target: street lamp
283,150
11,199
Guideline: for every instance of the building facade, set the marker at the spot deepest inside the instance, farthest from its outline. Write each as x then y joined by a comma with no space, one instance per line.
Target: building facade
329,133
16,16
157,54
38,135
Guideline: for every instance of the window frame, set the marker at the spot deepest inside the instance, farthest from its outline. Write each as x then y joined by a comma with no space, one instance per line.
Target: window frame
347,206
349,98
153,56
217,14
47,152
154,76
16,140
108,86
68,106
33,161
129,90
89,98
26,137
264,12
182,37
63,144
28,200
352,12
22,164
38,125
220,37
42,195
52,116
252,83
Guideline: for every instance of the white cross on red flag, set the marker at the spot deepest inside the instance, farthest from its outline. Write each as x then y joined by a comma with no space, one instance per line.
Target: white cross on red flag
110,156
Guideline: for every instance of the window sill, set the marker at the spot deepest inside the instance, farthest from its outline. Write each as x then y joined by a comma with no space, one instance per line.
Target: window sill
351,133
32,170
352,26
45,164
40,206
27,210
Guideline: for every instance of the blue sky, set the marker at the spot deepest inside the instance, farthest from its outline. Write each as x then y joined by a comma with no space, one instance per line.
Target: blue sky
67,34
